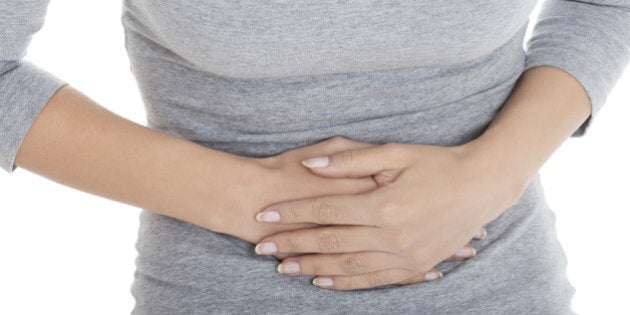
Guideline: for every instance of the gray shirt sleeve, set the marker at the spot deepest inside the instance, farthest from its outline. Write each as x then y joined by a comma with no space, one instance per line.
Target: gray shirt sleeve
588,39
24,88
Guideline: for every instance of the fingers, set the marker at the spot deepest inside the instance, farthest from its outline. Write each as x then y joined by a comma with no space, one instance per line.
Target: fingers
339,268
356,163
463,253
481,234
433,274
371,280
339,143
349,264
346,264
358,209
468,251
330,146
338,239
356,270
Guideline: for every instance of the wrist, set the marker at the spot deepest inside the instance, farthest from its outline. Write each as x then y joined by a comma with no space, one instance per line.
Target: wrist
209,186
546,106
498,165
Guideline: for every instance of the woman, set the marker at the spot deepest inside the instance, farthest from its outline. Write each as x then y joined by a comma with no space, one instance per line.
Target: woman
243,81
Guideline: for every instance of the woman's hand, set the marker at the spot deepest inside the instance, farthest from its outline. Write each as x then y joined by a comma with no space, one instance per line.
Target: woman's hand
279,178
430,201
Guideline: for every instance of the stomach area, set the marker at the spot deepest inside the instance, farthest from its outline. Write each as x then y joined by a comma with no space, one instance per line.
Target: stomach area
186,269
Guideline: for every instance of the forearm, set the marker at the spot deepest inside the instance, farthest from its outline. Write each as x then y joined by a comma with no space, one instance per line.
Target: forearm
545,108
78,143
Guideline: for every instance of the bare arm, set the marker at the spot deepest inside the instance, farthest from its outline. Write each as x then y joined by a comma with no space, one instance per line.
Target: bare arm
78,143
545,108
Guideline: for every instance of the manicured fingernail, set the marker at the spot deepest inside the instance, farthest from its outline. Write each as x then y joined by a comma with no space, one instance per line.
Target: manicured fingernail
481,234
321,161
268,216
265,248
289,267
465,252
432,275
323,282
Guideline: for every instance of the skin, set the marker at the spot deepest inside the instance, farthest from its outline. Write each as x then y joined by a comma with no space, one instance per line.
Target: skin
80,144
430,200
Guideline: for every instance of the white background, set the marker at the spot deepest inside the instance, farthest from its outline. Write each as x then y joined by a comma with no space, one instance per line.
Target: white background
66,252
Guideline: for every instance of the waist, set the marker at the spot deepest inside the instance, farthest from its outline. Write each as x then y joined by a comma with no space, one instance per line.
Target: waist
444,105
200,269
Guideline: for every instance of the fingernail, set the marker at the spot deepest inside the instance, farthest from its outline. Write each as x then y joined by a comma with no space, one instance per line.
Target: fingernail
481,234
265,248
289,267
268,216
323,282
321,161
465,252
432,275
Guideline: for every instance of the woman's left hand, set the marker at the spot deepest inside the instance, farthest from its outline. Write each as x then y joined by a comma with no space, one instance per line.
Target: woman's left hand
430,201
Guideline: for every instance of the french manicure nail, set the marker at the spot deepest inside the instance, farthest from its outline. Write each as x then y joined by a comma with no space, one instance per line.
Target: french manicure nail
289,267
481,234
432,275
265,248
465,252
321,161
268,216
323,282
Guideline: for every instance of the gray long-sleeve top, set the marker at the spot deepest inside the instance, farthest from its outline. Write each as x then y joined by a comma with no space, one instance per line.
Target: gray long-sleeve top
257,42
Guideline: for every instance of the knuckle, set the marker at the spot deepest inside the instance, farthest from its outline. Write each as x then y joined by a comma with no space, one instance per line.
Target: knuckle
325,212
315,268
338,140
290,214
291,245
353,265
329,242
346,283
400,240
273,162
385,176
388,212
375,279
411,267
395,152
346,159
392,148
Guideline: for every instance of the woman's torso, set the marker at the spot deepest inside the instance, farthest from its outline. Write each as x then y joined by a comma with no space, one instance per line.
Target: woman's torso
275,74
256,78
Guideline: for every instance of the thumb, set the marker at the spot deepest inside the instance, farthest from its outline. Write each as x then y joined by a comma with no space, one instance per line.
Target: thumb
350,163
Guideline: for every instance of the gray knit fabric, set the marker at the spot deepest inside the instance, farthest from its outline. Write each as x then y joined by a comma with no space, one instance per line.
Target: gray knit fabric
256,78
